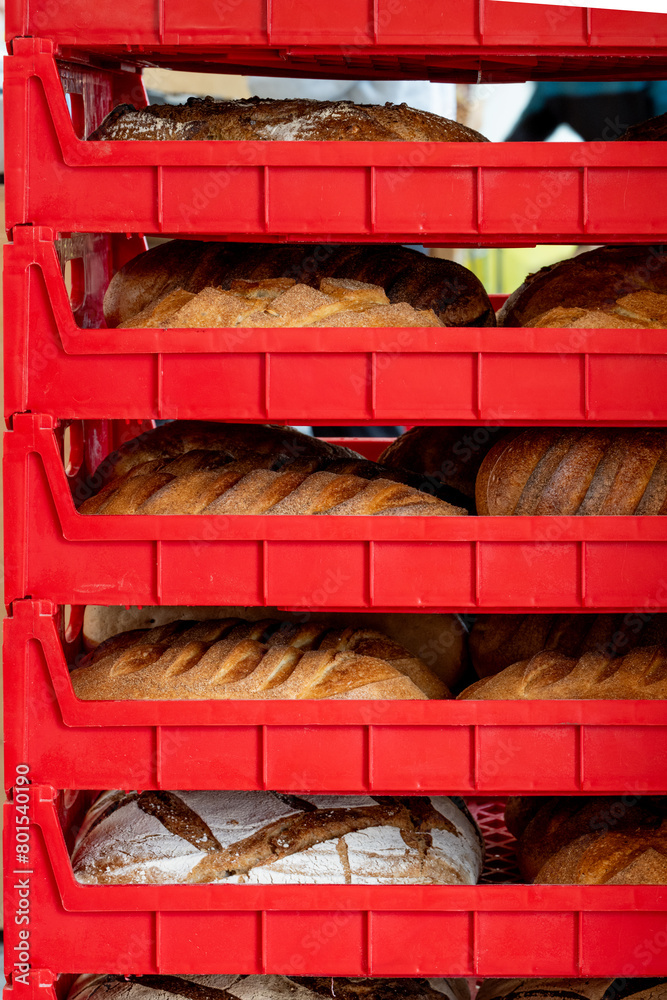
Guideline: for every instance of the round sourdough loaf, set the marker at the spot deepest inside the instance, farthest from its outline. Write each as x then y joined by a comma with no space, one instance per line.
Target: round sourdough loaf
588,471
605,840
163,987
573,989
269,837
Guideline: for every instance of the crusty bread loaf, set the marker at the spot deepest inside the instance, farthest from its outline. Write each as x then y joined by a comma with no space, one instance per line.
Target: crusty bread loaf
184,267
450,455
281,302
498,641
436,640
626,284
251,987
639,674
260,837
652,130
286,120
591,841
234,659
573,989
594,471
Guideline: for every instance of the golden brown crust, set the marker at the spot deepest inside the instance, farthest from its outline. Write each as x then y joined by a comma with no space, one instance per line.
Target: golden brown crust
609,280
595,471
292,119
641,674
594,841
451,291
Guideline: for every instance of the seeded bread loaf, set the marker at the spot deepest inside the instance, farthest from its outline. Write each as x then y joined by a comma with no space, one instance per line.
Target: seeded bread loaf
235,987
233,659
593,471
608,287
184,268
573,989
287,120
641,674
590,841
437,640
498,641
262,837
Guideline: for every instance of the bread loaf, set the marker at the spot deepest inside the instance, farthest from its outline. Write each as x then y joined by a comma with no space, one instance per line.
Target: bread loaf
254,118
268,837
185,268
498,641
653,130
593,471
437,640
234,659
573,989
610,286
450,455
163,987
591,841
639,674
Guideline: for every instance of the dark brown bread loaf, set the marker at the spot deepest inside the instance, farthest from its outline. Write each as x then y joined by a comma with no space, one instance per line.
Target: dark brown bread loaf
235,659
287,120
453,292
611,286
497,641
237,987
450,455
591,841
594,471
652,130
268,837
573,989
641,674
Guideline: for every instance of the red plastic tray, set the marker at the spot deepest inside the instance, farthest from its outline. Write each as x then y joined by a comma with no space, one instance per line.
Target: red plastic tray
411,563
382,747
493,376
468,40
447,193
483,930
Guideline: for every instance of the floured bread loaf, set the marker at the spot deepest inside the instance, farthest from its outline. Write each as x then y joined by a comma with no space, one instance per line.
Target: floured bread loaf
498,641
230,658
594,471
164,280
591,841
607,287
281,302
573,989
284,120
162,987
450,455
437,640
652,130
268,837
640,674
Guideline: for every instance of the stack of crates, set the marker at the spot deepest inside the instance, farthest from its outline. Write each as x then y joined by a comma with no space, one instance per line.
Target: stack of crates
74,390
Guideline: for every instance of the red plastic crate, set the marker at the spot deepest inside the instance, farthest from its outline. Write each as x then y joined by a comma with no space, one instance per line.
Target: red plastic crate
386,748
495,194
62,361
468,40
411,563
483,930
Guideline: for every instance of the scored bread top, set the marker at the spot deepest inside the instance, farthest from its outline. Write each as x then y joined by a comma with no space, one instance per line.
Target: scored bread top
639,674
288,120
589,471
201,837
236,659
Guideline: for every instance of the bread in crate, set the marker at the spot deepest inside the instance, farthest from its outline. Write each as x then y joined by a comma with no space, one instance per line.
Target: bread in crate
590,841
235,659
615,286
270,837
181,283
288,120
573,989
